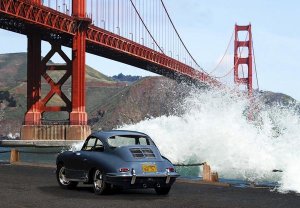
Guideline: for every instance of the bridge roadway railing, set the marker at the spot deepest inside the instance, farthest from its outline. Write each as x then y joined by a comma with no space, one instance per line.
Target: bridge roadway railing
21,15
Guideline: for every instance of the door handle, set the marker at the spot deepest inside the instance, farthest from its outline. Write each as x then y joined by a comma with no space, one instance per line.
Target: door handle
77,153
84,159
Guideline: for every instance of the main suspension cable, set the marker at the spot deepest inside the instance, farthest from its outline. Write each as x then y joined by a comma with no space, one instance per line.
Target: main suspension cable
146,26
180,37
221,60
235,64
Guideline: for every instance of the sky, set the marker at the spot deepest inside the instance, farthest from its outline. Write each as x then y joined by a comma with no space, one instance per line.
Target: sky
206,27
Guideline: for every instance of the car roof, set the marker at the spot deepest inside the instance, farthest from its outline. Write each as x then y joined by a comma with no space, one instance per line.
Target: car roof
107,134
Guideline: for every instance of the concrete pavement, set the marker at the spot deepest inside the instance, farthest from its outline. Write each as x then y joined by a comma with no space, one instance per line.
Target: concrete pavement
25,186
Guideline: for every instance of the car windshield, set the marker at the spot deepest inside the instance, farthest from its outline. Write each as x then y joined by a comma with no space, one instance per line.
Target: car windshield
120,141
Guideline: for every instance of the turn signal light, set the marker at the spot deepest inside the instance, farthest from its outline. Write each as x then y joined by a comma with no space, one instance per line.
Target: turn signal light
124,170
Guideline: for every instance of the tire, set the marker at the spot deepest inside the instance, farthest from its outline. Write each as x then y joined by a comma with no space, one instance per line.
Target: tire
163,190
100,187
61,178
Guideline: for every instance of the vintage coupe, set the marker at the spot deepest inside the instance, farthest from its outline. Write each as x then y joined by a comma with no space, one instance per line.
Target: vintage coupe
116,159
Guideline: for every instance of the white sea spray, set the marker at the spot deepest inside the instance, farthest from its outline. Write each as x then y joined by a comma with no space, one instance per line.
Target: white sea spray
76,146
215,128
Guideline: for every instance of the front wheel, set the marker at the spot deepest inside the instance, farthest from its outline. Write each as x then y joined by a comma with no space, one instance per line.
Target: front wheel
62,180
100,187
162,190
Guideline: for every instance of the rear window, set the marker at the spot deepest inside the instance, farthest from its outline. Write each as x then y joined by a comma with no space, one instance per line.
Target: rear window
120,141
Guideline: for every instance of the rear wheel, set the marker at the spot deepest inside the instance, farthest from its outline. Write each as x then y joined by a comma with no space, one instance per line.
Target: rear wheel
62,180
100,187
162,190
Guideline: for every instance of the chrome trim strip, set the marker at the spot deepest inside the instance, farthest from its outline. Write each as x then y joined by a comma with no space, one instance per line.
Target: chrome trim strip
172,175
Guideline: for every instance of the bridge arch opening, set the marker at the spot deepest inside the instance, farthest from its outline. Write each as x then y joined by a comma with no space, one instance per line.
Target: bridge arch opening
243,71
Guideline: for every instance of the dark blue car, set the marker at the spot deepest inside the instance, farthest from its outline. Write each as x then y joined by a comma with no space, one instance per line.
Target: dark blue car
116,159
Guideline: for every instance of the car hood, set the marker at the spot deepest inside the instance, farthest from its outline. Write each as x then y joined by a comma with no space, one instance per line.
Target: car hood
141,153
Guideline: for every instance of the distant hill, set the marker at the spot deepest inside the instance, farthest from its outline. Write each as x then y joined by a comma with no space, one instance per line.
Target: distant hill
126,78
145,98
12,70
271,98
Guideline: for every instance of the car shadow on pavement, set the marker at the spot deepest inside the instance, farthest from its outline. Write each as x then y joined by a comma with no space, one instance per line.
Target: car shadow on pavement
87,192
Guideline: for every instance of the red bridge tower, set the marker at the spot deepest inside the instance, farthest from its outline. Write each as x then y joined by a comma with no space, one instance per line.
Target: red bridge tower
240,61
77,128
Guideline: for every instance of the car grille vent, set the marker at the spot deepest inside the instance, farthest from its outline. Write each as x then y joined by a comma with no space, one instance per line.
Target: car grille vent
142,153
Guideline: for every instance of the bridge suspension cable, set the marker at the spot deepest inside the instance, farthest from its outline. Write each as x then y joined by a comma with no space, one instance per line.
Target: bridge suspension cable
146,26
236,62
255,69
162,2
142,21
224,55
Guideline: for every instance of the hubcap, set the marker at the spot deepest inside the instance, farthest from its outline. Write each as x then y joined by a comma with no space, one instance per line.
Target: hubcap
98,181
62,177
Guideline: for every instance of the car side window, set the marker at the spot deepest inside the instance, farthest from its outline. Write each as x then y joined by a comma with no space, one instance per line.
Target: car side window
90,144
143,141
99,146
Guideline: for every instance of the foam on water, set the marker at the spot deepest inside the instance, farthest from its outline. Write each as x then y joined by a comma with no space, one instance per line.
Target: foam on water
214,128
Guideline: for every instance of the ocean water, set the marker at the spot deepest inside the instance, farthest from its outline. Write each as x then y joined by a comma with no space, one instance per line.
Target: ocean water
44,155
214,127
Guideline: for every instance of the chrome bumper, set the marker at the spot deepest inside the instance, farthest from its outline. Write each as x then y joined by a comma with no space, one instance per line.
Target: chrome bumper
133,175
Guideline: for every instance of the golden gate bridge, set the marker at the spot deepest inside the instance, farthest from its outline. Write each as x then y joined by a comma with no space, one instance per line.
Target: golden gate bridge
139,33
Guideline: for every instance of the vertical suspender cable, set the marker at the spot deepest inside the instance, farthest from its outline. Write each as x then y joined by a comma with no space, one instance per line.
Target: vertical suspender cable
97,14
139,8
128,21
113,11
165,41
147,19
118,17
153,20
161,27
159,16
92,10
131,22
108,15
255,65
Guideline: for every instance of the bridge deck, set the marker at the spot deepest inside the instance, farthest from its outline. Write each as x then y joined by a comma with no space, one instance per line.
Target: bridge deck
36,187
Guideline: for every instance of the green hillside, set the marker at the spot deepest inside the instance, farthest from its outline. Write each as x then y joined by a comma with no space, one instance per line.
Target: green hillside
13,89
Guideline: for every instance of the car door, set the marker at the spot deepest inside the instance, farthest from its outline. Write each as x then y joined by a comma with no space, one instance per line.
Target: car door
91,154
80,159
